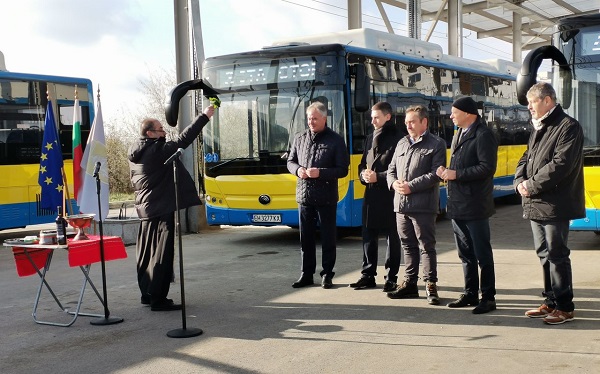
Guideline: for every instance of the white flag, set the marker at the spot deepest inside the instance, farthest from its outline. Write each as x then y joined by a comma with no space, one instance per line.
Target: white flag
95,151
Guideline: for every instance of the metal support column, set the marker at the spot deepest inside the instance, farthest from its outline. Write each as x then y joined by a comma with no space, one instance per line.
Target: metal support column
354,14
455,45
184,73
413,18
517,43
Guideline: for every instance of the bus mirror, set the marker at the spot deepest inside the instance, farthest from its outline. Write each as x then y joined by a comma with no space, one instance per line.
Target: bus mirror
173,97
529,70
362,85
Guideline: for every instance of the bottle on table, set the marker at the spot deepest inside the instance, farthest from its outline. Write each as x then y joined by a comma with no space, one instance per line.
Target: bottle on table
61,228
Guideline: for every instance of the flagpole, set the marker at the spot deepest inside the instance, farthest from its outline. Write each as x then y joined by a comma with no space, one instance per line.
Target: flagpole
66,190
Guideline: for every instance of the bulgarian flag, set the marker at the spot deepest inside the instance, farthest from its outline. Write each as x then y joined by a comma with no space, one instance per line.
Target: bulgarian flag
77,150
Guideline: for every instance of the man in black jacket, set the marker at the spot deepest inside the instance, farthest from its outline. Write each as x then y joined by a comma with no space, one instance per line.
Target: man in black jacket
549,178
155,204
378,207
470,177
318,157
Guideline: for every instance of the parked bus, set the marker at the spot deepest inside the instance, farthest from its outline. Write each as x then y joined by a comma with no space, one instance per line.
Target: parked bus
23,101
575,74
264,95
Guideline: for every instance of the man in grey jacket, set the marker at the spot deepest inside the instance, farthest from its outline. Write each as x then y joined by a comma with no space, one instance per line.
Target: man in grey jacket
549,178
412,175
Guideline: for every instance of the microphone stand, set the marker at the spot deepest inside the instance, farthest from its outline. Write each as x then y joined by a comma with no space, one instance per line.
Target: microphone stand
183,332
107,320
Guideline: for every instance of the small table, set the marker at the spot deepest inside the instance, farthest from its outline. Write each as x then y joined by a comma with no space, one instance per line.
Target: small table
36,258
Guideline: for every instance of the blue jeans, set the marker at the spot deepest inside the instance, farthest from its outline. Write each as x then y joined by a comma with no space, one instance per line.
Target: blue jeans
550,242
325,217
371,250
473,241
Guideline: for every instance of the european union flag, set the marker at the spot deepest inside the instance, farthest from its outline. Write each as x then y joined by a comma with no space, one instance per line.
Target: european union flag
51,163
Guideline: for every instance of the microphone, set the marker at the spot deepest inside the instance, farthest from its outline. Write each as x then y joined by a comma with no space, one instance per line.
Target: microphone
96,169
174,156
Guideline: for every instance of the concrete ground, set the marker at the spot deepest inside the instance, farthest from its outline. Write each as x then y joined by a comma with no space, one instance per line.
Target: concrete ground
238,291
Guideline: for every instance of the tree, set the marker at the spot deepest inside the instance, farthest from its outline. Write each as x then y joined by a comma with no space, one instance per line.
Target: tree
121,132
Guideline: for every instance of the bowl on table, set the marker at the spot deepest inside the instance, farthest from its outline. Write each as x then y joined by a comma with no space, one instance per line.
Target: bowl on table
80,222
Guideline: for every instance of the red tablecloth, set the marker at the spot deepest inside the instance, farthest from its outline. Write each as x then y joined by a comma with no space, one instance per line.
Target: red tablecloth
81,252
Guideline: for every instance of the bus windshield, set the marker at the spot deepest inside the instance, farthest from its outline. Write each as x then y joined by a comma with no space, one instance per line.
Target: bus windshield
263,108
581,47
23,111
23,103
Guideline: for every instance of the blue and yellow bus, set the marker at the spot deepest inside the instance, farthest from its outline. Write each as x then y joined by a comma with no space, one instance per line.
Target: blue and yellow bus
264,95
575,74
23,101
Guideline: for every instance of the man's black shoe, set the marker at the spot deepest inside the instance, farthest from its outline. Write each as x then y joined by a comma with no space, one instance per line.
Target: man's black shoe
164,306
464,300
303,282
364,282
390,286
405,291
485,306
145,300
327,282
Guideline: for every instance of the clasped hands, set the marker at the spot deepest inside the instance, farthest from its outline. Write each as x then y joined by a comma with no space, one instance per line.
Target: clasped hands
522,189
369,176
401,187
305,173
446,174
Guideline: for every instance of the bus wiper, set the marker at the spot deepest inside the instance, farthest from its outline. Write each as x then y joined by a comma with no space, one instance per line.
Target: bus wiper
229,161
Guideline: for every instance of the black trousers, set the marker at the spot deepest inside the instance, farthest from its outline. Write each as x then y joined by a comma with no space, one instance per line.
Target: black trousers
155,251
325,217
550,240
370,239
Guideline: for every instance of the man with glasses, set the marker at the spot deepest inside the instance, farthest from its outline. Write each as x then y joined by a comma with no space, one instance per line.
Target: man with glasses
549,177
155,204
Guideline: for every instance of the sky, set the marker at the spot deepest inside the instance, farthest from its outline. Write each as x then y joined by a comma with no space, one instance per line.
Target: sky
119,43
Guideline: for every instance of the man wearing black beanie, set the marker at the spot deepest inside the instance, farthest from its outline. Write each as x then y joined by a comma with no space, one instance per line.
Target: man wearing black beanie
470,178
466,104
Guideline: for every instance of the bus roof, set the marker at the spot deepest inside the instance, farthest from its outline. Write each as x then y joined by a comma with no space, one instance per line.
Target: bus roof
403,46
4,74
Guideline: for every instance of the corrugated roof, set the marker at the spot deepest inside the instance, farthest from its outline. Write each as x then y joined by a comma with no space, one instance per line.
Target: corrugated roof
494,18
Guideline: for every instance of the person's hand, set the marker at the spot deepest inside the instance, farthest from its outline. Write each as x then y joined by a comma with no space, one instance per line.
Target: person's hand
369,176
302,172
439,172
313,172
522,188
401,187
446,174
209,111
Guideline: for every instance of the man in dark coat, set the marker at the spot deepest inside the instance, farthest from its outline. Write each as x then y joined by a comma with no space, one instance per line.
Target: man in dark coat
470,177
318,157
378,208
155,204
549,178
412,176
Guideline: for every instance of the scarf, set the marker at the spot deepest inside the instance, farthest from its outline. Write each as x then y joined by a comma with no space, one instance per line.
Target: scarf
537,123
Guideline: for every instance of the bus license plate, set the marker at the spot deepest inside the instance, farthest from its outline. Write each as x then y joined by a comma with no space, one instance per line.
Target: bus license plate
266,218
